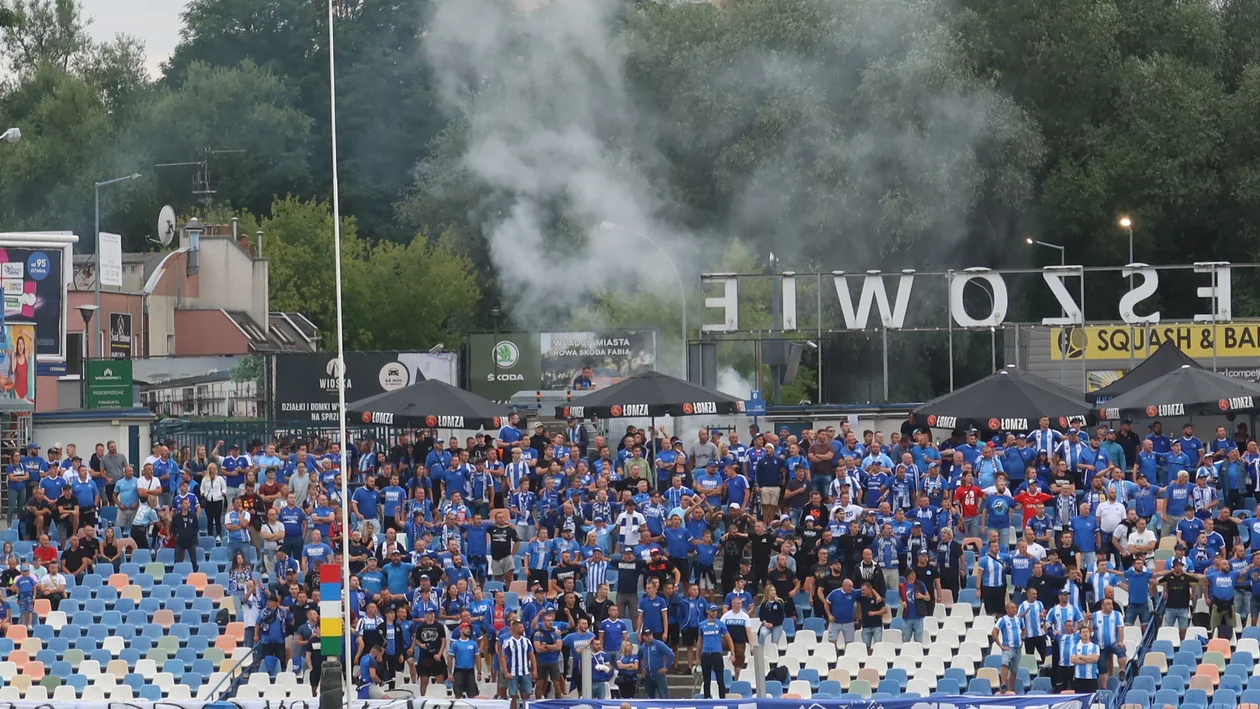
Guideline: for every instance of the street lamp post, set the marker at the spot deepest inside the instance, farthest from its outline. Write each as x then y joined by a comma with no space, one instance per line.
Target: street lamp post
1062,262
96,334
682,289
86,311
1127,224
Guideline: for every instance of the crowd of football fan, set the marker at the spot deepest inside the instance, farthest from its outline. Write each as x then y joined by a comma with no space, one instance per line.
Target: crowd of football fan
642,545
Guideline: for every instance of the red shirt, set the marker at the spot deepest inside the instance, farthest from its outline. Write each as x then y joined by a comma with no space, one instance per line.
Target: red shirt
46,554
1030,501
968,498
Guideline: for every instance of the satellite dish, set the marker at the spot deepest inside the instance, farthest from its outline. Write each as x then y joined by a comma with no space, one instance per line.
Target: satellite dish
166,225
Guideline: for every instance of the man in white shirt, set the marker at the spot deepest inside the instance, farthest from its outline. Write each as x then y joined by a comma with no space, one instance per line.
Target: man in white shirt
1035,550
1142,542
738,624
148,486
629,522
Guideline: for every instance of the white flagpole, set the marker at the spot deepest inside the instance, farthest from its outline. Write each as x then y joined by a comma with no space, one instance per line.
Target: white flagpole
347,630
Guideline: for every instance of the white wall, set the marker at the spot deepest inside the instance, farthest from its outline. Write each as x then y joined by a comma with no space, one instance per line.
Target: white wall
86,434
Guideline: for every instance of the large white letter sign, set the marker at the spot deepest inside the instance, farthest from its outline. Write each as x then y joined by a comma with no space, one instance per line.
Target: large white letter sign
728,302
788,301
1221,288
997,285
893,318
1053,276
1148,283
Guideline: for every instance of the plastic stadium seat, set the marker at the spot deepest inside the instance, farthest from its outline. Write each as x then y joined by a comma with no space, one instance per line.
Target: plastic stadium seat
1195,696
34,669
980,686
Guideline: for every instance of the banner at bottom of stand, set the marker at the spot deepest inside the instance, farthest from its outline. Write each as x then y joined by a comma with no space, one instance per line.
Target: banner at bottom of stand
404,703
1033,701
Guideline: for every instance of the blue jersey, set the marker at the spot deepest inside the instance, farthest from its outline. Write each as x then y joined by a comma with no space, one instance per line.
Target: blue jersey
711,634
1010,631
993,570
1087,670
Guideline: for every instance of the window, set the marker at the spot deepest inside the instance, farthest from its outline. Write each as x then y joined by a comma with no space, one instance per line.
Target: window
74,353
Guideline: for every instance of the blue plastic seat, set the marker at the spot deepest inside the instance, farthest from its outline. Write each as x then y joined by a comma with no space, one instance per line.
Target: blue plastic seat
81,619
131,656
194,680
166,557
1175,682
152,631
79,682
219,555
899,676
1242,657
135,681
198,644
1225,696
204,668
1138,696
93,581
183,568
810,675
1251,696
111,618
81,593
774,688
1234,683
958,674
142,643
102,657
827,686
105,569
947,686
107,594
151,693
815,624
185,592
144,581
1165,647
187,656
1144,683
46,656
1042,685
9,535
130,569
1195,696
180,631
149,606
95,606
58,645
175,667
1185,658
208,630
86,644
979,686
889,687
44,633
162,594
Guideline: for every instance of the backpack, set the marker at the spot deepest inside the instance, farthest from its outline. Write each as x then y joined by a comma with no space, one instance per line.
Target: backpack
222,618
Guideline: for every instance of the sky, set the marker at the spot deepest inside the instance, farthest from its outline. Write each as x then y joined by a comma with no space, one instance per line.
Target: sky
154,22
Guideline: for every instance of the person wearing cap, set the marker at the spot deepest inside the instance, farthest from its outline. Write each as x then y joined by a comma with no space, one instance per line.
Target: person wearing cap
1061,621
24,586
715,641
430,648
770,475
655,660
1178,583
464,650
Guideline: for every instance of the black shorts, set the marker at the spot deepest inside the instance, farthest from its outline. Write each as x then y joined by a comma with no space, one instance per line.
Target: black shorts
994,598
690,636
432,667
1063,678
1084,686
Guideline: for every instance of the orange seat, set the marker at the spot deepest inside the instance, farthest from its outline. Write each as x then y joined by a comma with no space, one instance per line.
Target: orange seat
947,598
518,587
1249,706
19,658
1210,671
43,607
16,633
1220,645
165,618
213,591
236,631
119,581
34,669
197,580
226,643
1204,681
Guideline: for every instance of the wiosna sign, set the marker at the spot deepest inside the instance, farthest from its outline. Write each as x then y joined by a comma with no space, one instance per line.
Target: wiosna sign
872,290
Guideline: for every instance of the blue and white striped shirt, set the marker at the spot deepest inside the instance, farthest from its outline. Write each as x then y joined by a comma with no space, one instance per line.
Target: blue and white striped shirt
1044,440
516,472
1060,615
1008,629
1107,627
1067,647
992,571
596,573
1088,670
1099,582
1030,612
516,652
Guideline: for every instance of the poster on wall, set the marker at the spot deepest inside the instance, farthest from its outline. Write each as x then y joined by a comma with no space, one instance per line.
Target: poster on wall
17,363
306,384
120,335
34,286
227,387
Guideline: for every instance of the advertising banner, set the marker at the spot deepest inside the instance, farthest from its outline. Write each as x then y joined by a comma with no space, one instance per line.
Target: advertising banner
1042,701
306,384
17,363
109,384
111,260
506,363
120,335
34,285
1114,342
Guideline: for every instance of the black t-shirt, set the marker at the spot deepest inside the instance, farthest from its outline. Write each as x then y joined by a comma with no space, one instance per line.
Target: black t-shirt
870,604
1177,590
762,546
73,559
927,575
628,576
562,572
599,610
828,583
357,549
1067,555
501,541
1228,531
430,636
66,504
733,544
782,580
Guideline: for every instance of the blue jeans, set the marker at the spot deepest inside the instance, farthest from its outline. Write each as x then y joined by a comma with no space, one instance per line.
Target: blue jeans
870,636
1177,617
657,686
912,629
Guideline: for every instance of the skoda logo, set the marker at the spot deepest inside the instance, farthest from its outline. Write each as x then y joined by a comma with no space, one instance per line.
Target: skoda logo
506,354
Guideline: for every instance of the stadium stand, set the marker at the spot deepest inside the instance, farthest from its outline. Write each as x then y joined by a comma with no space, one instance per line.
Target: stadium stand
163,609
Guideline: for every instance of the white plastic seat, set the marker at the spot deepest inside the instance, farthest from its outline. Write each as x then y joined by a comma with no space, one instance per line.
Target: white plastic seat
179,692
825,650
273,691
106,680
146,668
884,649
56,620
856,650
806,637
963,612
8,671
970,650
37,693
818,663
121,693
89,668
984,624
877,663
91,693
164,681
800,688
799,651
114,644
437,691
303,691
849,663
260,680
286,679
909,663
1250,645
10,694
921,687
65,693
911,649
934,664
1195,631
247,691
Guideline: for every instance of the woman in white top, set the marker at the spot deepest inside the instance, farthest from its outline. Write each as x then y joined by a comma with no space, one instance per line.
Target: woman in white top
214,495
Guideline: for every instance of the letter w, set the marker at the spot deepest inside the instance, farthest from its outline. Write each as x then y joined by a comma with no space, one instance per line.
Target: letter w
873,289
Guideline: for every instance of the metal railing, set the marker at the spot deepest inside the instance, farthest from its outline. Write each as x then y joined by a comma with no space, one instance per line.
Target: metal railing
233,677
1134,665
